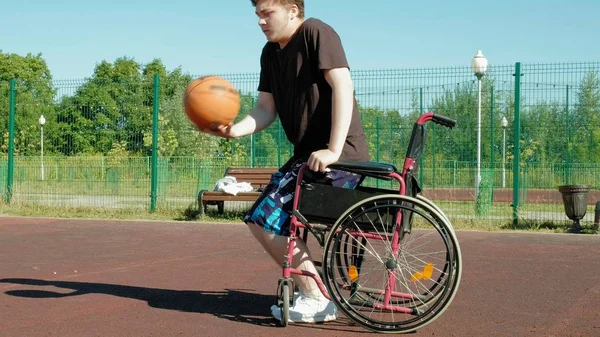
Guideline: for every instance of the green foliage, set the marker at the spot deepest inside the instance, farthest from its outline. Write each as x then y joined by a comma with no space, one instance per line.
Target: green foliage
483,200
167,138
98,135
34,92
586,118
116,154
459,103
114,106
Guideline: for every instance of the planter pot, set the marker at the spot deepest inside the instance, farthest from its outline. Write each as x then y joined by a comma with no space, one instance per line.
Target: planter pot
575,199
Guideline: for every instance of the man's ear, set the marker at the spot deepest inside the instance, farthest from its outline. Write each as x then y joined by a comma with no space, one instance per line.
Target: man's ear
293,12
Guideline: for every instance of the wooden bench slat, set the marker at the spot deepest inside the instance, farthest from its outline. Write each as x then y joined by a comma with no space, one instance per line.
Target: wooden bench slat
250,174
251,170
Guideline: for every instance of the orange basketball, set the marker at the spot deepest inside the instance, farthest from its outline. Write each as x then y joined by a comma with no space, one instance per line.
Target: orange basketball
210,101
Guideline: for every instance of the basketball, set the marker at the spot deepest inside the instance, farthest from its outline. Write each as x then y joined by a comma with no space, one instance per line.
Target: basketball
211,101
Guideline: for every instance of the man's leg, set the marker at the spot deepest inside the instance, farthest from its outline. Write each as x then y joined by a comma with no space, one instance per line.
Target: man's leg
269,222
277,247
310,305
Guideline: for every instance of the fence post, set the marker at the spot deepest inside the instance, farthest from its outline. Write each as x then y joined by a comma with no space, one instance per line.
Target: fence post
421,159
454,175
378,144
433,156
378,137
252,139
492,122
568,161
154,171
517,144
11,142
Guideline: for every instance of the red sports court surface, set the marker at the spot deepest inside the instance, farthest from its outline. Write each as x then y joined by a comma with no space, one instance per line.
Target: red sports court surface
121,278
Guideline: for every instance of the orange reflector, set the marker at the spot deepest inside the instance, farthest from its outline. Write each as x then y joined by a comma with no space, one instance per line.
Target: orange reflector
425,274
428,271
353,273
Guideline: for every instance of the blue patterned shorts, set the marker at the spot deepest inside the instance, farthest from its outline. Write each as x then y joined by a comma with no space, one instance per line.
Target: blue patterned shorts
273,209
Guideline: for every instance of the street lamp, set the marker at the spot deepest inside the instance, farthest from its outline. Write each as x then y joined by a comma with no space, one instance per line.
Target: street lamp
42,122
504,124
479,67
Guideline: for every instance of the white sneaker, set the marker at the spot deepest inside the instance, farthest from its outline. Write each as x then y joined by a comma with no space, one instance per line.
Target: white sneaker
309,310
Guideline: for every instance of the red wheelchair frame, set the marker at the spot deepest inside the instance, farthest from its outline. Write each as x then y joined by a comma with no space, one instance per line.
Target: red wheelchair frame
407,187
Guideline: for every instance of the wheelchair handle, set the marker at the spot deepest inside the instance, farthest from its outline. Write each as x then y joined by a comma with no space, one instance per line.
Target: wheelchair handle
443,121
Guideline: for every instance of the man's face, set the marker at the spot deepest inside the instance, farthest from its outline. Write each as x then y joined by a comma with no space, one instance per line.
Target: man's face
273,19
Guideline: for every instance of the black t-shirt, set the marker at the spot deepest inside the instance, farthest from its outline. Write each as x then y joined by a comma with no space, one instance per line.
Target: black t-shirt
294,76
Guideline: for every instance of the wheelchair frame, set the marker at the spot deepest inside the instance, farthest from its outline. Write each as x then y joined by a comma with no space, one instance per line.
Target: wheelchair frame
407,203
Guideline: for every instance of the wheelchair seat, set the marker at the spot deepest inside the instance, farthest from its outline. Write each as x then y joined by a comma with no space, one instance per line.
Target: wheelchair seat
367,168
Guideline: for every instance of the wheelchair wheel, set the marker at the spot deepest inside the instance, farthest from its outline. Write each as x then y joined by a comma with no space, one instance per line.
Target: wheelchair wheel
285,308
389,276
284,299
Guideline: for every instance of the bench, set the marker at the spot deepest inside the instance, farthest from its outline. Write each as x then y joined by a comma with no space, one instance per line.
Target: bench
258,177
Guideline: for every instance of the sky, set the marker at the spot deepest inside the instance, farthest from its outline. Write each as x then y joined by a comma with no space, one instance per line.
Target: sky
223,36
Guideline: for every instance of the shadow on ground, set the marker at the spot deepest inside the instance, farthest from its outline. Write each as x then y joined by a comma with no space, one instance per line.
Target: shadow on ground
237,305
231,304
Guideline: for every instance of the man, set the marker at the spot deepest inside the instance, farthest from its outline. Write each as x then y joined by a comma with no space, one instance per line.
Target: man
305,81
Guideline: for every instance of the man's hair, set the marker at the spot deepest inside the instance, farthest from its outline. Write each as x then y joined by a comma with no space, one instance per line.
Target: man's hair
298,3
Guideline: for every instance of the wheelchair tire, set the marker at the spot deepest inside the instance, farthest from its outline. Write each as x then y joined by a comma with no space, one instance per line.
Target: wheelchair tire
360,280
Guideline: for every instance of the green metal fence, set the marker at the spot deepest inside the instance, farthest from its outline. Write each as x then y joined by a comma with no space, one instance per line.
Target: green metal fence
123,141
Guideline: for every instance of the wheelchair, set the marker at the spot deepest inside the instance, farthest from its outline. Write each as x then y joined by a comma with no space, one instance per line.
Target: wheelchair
391,261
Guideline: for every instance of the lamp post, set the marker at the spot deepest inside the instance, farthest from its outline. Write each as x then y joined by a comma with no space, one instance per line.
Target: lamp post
504,124
42,121
479,67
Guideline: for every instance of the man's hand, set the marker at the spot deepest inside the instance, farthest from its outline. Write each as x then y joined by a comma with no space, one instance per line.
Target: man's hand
221,130
319,160
259,118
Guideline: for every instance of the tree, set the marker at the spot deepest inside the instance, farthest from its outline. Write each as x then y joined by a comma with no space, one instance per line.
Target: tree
586,119
34,96
540,140
459,103
371,120
115,105
108,108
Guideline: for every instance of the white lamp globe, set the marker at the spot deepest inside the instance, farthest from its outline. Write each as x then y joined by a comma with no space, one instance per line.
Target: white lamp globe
479,64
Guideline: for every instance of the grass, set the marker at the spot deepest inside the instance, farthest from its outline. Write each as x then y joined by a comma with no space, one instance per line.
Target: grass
188,214
461,214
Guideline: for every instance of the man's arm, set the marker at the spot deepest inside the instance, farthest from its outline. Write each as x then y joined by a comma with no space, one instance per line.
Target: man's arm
259,118
341,114
342,104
